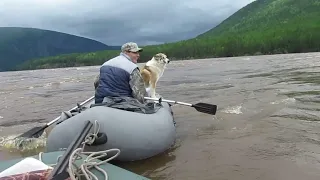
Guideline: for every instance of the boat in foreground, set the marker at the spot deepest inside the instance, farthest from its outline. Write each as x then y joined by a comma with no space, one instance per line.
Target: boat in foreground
7,173
138,135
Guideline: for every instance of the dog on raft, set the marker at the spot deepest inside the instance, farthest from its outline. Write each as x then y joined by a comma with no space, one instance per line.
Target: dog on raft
151,72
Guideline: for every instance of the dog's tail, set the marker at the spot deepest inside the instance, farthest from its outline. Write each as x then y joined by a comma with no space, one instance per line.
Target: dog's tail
96,81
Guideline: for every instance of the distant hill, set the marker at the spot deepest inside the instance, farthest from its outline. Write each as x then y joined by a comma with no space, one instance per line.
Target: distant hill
20,44
263,15
261,27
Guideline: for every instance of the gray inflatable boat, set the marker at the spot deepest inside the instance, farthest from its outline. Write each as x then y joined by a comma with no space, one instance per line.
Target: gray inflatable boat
138,135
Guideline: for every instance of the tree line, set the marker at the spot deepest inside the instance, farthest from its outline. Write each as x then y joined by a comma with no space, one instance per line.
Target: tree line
300,35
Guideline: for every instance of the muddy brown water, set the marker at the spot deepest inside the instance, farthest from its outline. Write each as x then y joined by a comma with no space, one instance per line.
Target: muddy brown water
267,124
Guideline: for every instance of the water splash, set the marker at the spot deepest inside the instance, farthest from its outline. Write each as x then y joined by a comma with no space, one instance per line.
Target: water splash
233,109
21,144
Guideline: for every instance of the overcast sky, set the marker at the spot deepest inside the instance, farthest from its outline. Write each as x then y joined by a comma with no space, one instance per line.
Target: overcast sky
118,21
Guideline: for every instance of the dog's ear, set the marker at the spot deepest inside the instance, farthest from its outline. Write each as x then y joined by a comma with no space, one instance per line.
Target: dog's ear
161,58
158,57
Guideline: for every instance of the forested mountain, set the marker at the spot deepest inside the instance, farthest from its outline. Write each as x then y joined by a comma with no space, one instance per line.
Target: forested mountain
20,44
261,27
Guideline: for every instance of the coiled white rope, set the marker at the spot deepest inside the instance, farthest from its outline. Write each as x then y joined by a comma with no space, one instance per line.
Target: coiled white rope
89,162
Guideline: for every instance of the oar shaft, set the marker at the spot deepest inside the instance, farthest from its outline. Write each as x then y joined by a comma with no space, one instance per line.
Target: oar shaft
84,102
169,101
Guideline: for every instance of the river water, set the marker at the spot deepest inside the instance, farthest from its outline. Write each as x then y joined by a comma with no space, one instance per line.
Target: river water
267,124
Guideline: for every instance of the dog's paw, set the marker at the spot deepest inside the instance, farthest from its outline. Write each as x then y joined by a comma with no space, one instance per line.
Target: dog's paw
148,91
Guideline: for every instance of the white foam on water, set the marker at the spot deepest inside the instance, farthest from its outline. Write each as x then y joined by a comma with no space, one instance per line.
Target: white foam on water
14,143
233,109
1,117
84,68
47,85
286,101
204,85
246,59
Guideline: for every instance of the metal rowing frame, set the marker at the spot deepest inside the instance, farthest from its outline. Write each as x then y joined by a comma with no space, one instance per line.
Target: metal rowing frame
60,171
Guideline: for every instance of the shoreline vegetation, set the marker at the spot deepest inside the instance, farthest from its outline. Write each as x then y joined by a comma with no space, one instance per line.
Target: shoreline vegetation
263,27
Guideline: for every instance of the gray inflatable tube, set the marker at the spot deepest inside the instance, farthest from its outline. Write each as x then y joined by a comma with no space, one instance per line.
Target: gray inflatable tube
137,135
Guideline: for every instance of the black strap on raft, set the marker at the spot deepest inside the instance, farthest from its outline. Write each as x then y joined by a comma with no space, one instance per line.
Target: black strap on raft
99,140
60,171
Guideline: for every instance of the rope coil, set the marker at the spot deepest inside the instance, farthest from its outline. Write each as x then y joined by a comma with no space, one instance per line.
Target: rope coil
90,161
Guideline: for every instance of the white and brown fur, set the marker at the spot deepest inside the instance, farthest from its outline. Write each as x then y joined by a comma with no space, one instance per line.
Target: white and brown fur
152,71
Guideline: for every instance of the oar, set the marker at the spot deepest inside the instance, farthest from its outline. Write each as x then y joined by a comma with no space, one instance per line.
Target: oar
201,107
37,131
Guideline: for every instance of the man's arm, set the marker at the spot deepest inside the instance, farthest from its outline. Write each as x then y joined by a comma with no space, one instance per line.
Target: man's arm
137,86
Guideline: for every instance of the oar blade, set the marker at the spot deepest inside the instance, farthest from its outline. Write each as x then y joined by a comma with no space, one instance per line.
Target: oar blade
33,133
206,108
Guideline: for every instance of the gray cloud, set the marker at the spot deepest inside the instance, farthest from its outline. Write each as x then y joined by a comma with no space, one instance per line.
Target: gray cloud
116,22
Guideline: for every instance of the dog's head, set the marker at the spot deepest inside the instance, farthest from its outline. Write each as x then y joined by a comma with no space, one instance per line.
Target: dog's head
161,58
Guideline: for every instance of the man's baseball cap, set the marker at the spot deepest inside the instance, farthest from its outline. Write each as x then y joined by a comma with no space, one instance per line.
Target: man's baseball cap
131,46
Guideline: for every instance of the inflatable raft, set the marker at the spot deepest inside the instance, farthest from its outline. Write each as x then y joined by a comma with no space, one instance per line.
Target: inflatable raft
138,135
31,167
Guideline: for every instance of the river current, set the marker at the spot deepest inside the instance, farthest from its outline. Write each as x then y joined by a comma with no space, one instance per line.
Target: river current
267,124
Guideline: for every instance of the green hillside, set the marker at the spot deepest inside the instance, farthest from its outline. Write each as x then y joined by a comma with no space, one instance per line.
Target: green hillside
262,27
20,44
